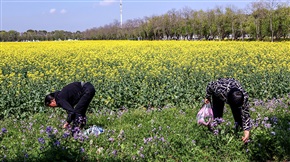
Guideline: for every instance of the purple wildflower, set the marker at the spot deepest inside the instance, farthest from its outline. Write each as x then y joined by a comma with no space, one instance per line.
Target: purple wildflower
57,143
76,136
228,123
111,139
114,152
82,138
48,129
55,131
82,150
30,126
147,140
219,120
65,135
4,130
76,130
41,131
213,124
256,123
274,120
216,132
193,141
267,125
41,140
257,102
253,109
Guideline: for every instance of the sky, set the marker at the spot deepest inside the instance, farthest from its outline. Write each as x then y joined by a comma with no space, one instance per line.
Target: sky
80,15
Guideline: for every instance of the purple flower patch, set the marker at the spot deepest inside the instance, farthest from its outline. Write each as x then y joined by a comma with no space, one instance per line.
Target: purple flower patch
49,129
4,130
41,140
65,135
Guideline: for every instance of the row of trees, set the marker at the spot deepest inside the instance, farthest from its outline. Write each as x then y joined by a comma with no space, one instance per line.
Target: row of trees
262,20
39,35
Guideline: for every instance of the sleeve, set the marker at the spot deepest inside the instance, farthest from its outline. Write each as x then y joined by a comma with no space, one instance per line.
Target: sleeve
69,109
209,91
246,118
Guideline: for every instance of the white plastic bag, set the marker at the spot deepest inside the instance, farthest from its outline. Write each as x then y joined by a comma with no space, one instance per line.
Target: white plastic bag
94,130
205,115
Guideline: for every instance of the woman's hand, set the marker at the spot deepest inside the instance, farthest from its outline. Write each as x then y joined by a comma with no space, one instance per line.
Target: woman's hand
206,101
66,125
246,136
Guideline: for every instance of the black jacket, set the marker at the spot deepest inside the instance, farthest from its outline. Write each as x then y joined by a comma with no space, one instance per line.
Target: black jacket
68,97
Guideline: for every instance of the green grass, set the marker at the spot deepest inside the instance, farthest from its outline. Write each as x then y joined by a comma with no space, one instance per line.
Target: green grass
167,134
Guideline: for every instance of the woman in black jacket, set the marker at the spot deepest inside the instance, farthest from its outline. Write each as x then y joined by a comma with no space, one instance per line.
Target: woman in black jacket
75,99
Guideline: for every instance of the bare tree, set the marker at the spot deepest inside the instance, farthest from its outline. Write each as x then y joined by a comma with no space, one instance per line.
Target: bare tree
219,21
259,13
231,17
173,22
211,20
271,5
241,19
186,23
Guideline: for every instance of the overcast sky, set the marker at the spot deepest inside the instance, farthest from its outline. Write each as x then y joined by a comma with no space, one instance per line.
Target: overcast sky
74,15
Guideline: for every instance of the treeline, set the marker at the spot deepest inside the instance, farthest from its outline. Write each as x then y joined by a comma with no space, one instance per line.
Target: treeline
266,20
39,35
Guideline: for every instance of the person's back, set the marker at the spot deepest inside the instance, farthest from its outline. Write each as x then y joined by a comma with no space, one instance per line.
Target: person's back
71,93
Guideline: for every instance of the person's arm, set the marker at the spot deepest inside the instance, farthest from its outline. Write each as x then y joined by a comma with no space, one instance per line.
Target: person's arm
247,123
70,110
209,92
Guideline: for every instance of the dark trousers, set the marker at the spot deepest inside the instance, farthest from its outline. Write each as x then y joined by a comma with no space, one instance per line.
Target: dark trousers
83,104
218,109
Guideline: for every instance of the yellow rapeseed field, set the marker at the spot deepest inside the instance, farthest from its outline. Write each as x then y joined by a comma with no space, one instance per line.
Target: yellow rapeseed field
139,72
82,59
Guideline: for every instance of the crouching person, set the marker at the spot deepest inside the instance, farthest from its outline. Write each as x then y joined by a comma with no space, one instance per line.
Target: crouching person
75,99
230,91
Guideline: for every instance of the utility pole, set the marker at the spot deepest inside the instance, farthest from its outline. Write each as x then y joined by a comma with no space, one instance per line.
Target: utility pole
121,18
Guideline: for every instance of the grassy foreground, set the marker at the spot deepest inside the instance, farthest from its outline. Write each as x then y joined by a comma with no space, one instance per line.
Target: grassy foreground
167,134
